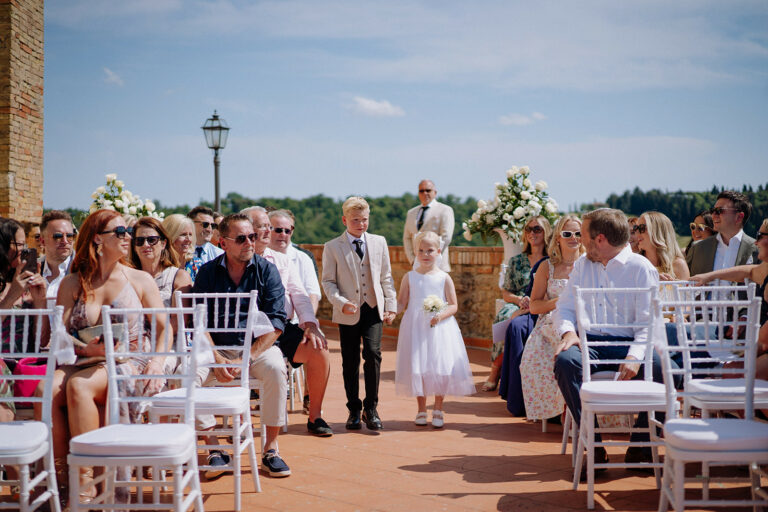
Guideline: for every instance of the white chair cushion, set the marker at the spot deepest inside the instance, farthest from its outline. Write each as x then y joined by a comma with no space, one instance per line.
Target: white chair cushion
716,434
205,398
727,386
623,391
161,439
17,437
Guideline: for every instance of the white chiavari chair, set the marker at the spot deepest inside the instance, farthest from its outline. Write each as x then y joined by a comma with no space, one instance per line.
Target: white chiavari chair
709,441
162,446
26,443
602,310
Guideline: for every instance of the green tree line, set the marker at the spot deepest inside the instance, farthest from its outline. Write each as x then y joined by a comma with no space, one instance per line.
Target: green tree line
318,218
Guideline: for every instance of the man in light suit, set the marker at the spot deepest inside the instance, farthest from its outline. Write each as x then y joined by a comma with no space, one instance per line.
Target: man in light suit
731,246
430,216
357,279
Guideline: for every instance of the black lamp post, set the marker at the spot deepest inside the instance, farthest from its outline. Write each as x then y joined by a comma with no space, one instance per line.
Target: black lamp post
216,132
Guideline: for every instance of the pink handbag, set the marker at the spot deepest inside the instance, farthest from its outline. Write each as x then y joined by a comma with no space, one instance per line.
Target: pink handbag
28,366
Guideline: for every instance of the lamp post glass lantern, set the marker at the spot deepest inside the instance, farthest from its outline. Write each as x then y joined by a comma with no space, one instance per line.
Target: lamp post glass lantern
216,132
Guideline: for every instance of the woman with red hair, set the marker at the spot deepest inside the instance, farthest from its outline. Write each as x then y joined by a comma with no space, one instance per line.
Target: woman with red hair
101,275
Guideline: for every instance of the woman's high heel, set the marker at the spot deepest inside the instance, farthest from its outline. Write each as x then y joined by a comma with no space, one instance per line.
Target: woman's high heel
86,480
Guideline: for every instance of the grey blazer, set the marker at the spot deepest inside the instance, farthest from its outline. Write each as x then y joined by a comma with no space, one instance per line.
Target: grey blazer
701,255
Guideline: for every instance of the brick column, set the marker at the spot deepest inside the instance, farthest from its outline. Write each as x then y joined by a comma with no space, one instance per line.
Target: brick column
21,109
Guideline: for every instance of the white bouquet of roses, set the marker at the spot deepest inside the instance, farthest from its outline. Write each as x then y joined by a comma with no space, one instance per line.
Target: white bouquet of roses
114,196
514,202
433,305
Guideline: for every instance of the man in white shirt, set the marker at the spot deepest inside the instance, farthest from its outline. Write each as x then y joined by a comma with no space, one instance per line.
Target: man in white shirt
608,263
731,246
431,215
202,216
283,227
57,238
303,343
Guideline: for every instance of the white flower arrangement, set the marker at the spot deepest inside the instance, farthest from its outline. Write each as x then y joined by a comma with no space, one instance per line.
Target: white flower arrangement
513,204
433,305
114,196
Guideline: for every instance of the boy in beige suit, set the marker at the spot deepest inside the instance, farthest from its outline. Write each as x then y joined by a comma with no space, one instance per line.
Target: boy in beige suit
357,279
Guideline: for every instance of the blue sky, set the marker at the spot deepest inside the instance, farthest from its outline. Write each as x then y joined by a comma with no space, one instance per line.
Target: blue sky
366,97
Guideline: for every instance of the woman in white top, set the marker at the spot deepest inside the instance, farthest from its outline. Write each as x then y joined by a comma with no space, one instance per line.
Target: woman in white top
152,253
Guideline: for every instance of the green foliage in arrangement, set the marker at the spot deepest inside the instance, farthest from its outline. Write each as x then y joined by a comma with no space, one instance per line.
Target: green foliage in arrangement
318,218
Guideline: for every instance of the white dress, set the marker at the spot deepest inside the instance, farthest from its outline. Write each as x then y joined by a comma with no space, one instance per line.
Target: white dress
430,360
541,393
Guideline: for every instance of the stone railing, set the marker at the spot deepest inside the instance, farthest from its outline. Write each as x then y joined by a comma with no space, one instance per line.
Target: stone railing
475,272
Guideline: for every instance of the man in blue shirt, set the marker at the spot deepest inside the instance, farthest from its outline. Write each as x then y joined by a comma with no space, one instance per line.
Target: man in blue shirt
240,270
202,216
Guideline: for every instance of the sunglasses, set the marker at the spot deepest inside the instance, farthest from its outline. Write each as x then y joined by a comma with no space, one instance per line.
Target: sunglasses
534,229
760,236
718,210
119,231
59,236
569,234
287,231
151,240
425,190
240,239
640,228
699,227
206,225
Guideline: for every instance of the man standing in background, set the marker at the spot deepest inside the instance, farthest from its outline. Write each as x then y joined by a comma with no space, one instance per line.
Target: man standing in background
433,216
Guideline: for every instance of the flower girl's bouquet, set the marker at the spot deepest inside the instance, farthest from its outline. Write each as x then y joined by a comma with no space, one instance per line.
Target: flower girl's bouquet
433,305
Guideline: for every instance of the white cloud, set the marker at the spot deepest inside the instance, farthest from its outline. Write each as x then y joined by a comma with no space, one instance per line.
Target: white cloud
586,46
110,77
376,108
520,119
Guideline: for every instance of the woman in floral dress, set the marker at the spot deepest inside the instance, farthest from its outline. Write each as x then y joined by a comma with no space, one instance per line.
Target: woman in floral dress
101,275
516,281
542,396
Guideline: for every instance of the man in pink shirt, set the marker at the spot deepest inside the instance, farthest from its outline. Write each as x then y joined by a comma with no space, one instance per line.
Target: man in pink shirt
303,343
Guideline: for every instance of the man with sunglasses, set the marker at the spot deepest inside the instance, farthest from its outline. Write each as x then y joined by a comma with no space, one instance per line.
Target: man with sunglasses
433,216
202,216
608,263
283,227
302,343
58,239
238,269
731,246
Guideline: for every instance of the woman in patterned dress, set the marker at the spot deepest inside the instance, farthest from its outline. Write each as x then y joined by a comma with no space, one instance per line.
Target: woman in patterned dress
541,393
101,275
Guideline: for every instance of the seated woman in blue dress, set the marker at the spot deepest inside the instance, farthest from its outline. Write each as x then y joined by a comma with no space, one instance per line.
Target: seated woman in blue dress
517,282
518,330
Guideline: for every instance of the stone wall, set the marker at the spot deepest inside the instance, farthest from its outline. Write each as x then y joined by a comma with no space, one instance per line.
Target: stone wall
21,109
475,272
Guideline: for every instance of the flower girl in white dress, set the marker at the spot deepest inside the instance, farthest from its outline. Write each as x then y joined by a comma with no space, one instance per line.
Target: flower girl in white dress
431,358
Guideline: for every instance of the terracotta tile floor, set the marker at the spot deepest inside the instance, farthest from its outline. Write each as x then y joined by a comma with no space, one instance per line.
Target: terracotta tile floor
483,459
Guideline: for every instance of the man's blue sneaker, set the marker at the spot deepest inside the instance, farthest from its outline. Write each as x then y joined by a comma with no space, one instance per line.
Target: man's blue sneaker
274,465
